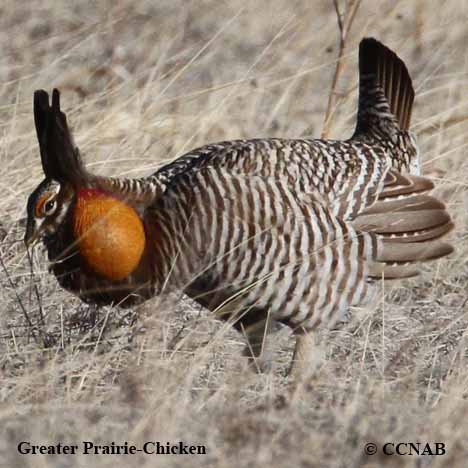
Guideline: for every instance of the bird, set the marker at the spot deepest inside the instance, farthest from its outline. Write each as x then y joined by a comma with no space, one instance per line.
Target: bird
259,231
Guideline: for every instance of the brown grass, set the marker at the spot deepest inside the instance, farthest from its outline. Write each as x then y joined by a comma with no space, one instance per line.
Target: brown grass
145,81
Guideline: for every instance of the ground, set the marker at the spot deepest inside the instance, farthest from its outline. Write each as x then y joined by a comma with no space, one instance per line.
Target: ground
143,82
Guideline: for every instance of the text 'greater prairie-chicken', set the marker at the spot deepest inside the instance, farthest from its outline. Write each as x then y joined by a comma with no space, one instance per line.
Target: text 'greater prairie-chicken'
287,230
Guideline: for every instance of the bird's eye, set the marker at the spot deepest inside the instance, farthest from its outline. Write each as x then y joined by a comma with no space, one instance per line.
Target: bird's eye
49,207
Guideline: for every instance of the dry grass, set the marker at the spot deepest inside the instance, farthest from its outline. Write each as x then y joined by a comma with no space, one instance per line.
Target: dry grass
145,81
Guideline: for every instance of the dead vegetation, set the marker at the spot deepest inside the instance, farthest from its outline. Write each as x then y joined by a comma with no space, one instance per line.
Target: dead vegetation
145,81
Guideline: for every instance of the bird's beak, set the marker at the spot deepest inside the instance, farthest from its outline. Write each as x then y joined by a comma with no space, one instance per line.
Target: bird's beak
32,235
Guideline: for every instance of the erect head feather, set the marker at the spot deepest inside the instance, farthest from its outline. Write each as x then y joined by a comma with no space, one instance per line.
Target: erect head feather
60,157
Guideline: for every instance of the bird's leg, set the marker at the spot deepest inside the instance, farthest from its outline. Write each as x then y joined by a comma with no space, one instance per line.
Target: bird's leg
259,344
303,356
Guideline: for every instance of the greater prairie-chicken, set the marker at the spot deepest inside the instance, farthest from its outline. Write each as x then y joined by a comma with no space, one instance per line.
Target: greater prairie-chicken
292,230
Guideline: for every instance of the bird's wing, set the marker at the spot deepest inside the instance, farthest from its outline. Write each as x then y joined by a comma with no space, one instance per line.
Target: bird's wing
252,242
347,176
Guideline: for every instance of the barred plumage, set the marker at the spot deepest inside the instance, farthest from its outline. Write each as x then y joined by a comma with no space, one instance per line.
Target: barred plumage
293,230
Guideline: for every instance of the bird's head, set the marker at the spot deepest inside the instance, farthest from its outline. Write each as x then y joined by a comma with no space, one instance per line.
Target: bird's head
47,208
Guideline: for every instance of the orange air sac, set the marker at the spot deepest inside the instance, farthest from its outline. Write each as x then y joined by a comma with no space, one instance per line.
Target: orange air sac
110,234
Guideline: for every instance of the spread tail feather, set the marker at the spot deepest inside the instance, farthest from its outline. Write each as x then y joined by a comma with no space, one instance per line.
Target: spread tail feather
399,186
386,93
397,261
408,224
